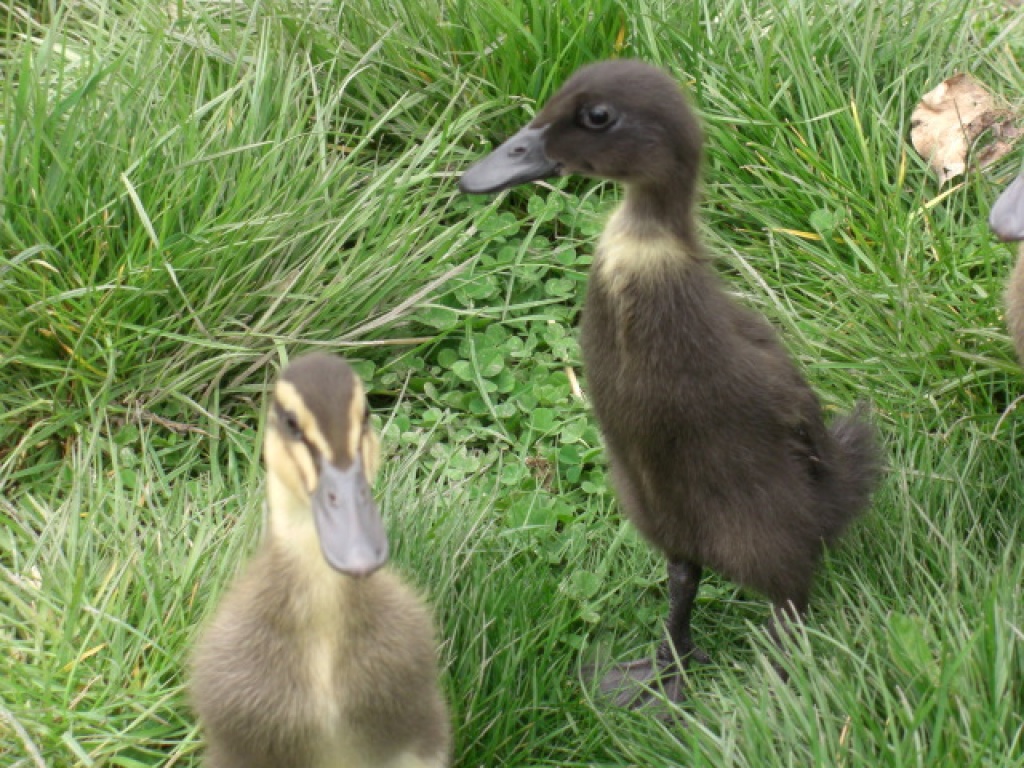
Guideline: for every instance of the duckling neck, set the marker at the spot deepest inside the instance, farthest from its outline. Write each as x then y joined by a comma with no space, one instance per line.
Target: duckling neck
659,210
650,235
314,587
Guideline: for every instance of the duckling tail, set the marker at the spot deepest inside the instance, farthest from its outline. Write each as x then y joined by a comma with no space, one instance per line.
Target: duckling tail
856,467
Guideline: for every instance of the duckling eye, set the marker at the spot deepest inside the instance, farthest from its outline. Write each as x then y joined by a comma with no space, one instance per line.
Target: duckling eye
597,117
291,425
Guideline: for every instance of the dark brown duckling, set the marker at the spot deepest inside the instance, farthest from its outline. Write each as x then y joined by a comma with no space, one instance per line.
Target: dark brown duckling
1007,221
717,446
318,656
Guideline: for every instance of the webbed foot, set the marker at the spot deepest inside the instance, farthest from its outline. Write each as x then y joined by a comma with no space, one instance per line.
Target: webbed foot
646,683
641,684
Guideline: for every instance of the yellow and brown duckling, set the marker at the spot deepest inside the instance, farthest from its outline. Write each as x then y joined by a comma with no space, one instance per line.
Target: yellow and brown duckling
716,443
318,656
1007,221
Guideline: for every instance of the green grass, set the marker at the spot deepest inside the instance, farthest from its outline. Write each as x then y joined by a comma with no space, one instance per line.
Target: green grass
193,192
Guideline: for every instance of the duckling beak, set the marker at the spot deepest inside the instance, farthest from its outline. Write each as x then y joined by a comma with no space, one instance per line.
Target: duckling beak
348,522
519,160
1007,216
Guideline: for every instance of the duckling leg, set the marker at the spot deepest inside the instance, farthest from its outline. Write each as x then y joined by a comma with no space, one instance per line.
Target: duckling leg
635,684
683,583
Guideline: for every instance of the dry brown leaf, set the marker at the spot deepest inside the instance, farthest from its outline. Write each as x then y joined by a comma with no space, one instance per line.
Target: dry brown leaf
950,119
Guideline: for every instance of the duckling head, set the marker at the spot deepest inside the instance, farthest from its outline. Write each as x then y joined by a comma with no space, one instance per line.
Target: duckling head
321,455
622,120
1007,216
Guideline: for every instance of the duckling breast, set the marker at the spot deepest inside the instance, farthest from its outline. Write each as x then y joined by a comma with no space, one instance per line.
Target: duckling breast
293,671
630,249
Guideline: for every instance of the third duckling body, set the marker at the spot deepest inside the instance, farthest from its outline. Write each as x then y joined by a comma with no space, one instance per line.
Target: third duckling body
318,656
716,443
1007,221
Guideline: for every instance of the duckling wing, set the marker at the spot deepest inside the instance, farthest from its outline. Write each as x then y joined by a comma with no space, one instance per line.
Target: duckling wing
842,460
792,401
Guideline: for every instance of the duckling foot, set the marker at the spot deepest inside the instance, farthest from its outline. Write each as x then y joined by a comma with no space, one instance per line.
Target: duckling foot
647,683
643,684
684,654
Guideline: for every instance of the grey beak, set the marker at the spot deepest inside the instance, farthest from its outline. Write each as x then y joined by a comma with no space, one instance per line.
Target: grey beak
1007,216
517,161
349,525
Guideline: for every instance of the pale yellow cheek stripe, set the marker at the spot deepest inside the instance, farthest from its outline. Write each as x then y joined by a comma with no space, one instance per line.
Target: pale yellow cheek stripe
290,399
291,463
371,455
370,445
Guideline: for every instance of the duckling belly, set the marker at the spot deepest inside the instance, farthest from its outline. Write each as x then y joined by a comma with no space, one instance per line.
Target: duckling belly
705,506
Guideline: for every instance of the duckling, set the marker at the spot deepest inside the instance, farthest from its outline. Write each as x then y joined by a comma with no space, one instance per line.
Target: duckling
317,656
716,444
1007,221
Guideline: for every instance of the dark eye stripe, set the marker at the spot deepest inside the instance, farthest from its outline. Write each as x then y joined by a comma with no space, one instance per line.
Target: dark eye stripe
309,482
291,429
288,421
